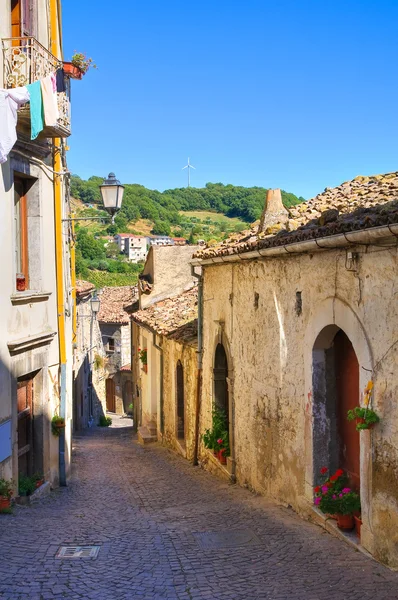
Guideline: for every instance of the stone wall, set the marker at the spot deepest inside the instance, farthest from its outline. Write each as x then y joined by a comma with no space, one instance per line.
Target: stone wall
268,314
173,352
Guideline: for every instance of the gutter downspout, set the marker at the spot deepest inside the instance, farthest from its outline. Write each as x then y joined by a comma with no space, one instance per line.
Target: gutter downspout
199,277
161,395
59,258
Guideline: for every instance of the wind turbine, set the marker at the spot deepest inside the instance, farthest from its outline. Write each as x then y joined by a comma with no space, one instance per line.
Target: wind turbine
188,166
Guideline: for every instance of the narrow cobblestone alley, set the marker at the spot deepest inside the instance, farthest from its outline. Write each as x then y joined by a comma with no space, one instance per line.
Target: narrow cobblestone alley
145,508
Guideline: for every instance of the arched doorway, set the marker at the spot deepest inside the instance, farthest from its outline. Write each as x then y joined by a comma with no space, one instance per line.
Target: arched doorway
220,373
180,402
335,382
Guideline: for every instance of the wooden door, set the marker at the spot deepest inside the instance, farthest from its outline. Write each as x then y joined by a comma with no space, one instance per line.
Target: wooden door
347,390
110,395
25,426
15,20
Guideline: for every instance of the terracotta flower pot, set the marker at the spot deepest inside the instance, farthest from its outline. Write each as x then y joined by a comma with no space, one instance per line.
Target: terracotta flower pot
145,368
345,522
72,71
221,457
358,523
5,502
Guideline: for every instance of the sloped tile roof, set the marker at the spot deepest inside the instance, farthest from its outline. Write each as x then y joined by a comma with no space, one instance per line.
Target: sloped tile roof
176,318
359,204
83,287
117,304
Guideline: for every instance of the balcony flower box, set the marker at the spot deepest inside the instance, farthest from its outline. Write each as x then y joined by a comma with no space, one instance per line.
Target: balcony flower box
72,71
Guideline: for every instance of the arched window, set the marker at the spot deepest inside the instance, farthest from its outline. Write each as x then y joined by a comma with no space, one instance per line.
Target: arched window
220,373
180,402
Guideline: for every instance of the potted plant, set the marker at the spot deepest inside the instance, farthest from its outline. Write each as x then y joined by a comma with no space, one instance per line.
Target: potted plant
57,424
358,523
78,66
334,497
26,487
143,356
5,494
365,417
38,478
216,438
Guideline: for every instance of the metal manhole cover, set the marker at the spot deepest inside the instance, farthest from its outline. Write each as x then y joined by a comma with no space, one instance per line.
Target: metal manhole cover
78,552
214,540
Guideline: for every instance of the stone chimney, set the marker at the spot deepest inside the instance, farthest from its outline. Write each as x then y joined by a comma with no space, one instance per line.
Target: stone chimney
274,212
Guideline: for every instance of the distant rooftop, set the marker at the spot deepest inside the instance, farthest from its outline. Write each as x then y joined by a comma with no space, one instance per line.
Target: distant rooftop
117,303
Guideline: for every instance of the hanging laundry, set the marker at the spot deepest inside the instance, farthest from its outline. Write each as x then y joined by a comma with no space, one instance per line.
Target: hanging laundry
36,109
10,101
50,107
60,77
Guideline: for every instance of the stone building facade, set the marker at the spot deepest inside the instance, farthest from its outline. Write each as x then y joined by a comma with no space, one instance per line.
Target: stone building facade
117,304
167,383
89,394
36,296
305,318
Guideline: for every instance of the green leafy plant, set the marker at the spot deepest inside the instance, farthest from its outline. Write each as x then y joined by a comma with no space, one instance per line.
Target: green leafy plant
83,63
143,356
366,417
217,437
26,485
57,424
98,361
104,421
5,488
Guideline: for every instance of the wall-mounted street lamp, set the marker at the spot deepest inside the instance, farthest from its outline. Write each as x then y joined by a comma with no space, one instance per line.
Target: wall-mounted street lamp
112,196
95,303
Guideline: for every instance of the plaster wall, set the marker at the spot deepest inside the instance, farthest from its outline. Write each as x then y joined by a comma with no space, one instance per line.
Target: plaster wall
172,353
251,307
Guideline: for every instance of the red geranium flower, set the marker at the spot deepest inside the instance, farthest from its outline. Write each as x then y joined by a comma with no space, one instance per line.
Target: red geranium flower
334,478
324,470
339,472
317,489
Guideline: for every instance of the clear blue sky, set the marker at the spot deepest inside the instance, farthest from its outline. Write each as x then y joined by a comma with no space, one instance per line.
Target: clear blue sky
297,94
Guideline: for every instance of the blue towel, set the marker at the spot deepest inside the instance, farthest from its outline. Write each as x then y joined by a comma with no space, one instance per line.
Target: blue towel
36,109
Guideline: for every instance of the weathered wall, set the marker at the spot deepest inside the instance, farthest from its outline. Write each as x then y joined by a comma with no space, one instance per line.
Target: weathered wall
172,353
251,307
170,270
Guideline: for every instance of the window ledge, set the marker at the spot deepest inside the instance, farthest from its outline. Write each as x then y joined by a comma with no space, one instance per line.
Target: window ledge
23,344
29,296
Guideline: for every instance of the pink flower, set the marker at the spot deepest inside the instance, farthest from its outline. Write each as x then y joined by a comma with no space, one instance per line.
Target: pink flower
317,501
346,490
219,441
334,496
340,495
324,489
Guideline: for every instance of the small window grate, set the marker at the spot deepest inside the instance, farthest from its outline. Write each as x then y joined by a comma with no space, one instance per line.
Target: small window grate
78,552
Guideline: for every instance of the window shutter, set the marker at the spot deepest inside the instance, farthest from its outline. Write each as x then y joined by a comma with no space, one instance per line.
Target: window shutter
29,18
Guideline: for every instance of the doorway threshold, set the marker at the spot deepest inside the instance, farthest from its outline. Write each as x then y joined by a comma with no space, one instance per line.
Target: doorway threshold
330,525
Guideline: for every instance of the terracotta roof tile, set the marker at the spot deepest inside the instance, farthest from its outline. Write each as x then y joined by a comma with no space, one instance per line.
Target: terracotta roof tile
83,287
117,304
174,317
359,204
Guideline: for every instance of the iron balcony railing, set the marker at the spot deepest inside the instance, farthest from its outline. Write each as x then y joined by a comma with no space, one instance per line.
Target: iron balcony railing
26,61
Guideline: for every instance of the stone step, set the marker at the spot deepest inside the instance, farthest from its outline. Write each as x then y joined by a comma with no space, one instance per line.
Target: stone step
144,436
151,427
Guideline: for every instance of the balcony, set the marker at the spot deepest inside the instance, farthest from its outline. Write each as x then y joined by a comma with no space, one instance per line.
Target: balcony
26,61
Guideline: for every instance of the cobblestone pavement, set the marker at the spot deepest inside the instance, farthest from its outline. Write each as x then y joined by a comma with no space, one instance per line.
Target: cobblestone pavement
146,507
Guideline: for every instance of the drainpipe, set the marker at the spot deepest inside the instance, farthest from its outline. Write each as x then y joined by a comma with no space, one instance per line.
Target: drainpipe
59,258
199,277
161,398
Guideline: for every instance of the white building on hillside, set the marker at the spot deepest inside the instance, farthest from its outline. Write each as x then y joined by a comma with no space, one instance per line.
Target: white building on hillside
135,247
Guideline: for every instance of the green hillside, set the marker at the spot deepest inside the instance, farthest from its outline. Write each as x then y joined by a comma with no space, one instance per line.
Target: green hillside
211,213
